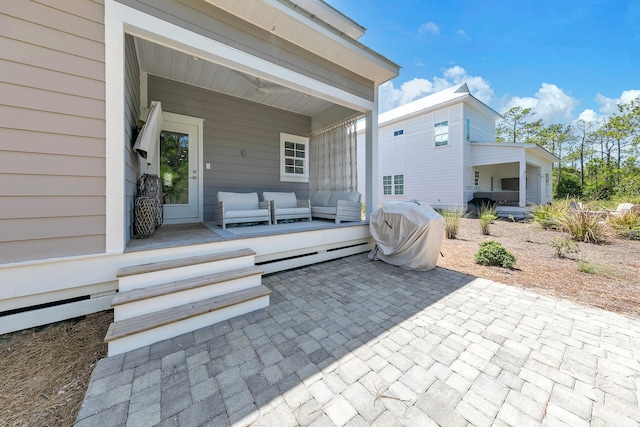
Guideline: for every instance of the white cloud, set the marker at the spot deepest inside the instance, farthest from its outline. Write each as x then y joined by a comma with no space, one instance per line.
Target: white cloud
464,34
391,97
589,116
609,106
550,103
429,27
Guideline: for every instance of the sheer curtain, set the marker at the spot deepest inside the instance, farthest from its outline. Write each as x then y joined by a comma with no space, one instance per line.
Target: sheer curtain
334,158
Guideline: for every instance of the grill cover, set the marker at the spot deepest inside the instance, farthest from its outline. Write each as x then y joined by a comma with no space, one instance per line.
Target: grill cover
407,234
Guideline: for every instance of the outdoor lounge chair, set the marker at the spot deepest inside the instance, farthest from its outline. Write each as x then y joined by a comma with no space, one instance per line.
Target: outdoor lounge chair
286,206
622,209
239,208
575,206
337,205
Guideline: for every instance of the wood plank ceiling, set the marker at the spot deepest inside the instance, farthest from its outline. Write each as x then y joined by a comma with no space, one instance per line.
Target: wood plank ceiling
171,64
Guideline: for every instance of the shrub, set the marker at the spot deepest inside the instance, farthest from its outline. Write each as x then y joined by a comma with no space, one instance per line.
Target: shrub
549,215
585,227
589,267
564,247
494,254
568,186
452,218
487,213
627,224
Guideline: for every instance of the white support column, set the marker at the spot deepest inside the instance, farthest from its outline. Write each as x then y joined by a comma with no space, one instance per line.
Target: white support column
114,132
522,202
371,148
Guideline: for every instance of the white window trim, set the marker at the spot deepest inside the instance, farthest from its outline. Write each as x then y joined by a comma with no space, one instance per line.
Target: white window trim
395,184
435,126
467,129
291,177
392,184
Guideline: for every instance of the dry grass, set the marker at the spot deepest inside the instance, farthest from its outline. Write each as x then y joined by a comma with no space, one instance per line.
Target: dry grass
45,371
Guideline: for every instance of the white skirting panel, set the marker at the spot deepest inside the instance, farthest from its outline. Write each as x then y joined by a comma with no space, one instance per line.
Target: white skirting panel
30,284
43,316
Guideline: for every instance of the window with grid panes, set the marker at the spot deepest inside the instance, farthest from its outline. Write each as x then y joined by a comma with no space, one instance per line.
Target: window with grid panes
441,132
398,185
386,185
294,155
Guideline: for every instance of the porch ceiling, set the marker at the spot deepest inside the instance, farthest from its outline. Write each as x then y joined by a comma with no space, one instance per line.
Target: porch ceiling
162,61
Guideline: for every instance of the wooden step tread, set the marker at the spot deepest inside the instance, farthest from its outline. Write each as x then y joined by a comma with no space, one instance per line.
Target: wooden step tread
182,262
149,321
183,285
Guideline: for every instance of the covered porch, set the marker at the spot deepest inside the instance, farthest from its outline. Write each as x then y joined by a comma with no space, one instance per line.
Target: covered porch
227,110
512,175
258,97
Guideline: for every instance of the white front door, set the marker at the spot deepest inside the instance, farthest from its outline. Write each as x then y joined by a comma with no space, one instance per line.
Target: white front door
178,160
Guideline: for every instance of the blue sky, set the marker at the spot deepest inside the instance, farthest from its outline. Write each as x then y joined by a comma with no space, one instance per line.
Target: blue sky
565,59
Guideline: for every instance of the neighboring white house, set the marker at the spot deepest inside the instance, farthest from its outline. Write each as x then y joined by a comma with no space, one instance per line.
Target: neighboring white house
441,149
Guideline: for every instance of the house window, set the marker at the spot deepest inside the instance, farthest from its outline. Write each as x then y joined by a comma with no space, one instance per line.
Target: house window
386,185
442,134
398,132
294,158
468,130
476,178
398,185
546,178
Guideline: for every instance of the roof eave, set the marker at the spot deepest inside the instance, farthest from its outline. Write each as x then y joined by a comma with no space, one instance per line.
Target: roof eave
300,27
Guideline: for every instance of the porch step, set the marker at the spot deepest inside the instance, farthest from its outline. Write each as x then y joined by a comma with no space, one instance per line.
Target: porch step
144,300
138,276
161,300
136,332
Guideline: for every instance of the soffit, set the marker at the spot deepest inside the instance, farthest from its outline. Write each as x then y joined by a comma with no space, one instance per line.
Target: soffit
291,22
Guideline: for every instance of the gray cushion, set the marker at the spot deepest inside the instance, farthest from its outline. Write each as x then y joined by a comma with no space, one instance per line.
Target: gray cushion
321,198
326,210
253,213
239,201
282,200
350,196
292,211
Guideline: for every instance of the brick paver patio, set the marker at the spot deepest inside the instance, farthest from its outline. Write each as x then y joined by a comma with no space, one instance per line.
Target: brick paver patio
355,342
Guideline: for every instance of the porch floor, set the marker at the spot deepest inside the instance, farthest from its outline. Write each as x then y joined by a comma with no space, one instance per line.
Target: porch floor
176,235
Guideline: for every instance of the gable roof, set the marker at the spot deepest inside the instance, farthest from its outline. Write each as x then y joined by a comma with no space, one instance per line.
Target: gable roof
432,102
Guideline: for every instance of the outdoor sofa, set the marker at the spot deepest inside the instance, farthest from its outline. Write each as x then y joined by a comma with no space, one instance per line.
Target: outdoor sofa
285,206
233,208
336,205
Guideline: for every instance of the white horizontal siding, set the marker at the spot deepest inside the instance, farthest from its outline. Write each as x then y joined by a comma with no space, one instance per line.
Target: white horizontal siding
434,174
483,127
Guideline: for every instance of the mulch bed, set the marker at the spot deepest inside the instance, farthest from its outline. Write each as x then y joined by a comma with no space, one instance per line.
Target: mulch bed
614,286
45,371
